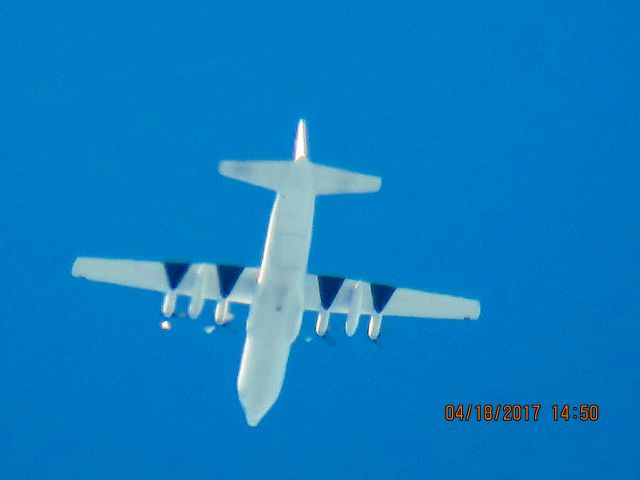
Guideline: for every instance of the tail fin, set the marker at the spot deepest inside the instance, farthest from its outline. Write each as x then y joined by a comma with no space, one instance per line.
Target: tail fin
335,181
301,145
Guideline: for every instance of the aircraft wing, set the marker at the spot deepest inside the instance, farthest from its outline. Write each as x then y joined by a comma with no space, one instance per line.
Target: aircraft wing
340,295
203,280
238,285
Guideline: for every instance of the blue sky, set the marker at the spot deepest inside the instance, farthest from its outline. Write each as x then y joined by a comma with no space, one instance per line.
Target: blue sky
507,139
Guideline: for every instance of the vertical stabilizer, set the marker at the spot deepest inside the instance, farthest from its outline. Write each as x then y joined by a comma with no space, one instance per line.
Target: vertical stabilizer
300,149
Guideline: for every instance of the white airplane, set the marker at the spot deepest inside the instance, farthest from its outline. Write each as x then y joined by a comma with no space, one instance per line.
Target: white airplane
281,289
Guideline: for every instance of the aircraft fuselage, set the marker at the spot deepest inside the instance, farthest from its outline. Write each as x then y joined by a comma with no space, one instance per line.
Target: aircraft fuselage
275,316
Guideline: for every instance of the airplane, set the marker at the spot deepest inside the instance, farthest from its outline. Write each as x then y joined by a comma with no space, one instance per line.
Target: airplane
280,290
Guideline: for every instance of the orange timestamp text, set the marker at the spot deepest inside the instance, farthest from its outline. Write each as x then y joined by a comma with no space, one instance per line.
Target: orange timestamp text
515,412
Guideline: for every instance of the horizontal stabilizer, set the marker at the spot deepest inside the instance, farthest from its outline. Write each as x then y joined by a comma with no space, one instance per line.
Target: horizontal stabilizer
269,174
335,181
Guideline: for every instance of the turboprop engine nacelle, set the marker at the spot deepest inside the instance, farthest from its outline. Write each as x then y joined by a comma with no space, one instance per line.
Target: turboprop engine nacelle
197,299
322,324
222,314
353,319
374,326
196,306
355,310
169,304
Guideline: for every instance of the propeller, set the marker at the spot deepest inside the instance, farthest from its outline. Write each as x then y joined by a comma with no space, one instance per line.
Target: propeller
174,315
232,328
380,343
328,339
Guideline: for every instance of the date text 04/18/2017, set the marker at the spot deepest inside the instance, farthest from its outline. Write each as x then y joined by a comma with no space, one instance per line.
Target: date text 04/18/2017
513,412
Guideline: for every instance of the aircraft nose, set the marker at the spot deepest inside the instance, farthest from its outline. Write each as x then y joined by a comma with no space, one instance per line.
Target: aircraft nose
262,370
254,415
256,402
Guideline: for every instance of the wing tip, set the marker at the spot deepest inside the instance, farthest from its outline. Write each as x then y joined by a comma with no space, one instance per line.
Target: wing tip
477,309
76,269
225,167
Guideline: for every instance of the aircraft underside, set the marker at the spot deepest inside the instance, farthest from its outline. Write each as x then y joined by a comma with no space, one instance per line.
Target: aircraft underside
281,289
